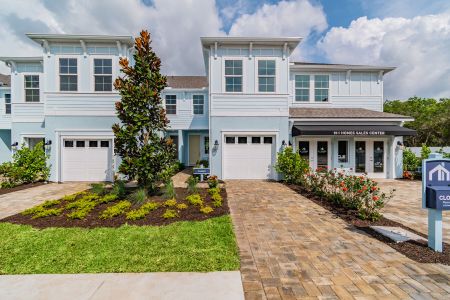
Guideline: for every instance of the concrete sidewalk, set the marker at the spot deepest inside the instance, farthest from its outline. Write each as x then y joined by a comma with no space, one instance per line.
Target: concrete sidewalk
214,285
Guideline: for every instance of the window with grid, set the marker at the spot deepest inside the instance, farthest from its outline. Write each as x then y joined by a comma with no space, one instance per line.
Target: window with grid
103,74
199,102
233,75
31,88
302,87
321,84
8,104
206,144
68,78
171,104
266,75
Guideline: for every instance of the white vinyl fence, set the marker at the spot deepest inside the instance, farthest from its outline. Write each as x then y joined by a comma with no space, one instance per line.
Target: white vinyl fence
416,150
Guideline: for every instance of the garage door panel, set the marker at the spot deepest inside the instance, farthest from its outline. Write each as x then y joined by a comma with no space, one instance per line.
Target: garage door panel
86,163
248,161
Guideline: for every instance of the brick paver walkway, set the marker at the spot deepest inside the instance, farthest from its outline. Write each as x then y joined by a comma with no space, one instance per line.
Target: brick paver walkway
406,206
291,248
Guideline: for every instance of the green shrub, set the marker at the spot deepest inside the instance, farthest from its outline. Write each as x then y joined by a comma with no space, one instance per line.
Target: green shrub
192,182
425,152
202,162
217,200
410,161
33,210
42,209
291,165
182,206
170,214
206,210
142,211
70,197
108,198
82,207
215,190
48,212
115,210
169,190
170,203
195,199
119,189
139,196
27,166
98,188
50,203
213,181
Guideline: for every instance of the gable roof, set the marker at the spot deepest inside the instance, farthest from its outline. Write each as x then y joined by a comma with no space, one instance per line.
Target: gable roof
187,82
342,113
5,80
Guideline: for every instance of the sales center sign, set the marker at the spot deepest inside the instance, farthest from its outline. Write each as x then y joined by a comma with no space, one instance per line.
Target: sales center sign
359,132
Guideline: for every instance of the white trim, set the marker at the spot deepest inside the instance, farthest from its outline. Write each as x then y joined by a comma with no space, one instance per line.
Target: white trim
114,74
312,92
24,136
350,120
256,66
192,104
58,75
176,103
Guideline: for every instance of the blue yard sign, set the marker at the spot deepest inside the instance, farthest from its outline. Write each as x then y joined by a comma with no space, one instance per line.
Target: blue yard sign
435,195
201,172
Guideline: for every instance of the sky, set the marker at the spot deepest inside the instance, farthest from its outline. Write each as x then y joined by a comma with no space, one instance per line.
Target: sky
411,35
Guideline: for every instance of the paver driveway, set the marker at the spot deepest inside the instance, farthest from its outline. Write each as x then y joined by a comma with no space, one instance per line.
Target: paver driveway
16,202
292,248
406,206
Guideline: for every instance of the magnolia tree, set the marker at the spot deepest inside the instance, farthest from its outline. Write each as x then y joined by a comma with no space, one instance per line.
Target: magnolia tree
147,155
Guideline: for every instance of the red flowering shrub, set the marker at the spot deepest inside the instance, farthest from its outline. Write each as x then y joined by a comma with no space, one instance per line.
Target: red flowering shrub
358,193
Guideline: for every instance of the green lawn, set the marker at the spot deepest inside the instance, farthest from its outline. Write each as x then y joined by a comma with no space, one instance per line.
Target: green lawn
183,246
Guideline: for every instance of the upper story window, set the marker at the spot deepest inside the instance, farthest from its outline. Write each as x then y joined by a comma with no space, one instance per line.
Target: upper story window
266,75
31,88
171,104
8,104
103,74
233,75
198,104
321,86
302,87
68,78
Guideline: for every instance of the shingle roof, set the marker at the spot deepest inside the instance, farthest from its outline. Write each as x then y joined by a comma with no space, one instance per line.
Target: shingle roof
187,82
341,113
5,79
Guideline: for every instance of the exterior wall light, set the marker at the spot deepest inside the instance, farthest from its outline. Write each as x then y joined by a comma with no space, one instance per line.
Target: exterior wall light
283,143
216,143
14,145
400,145
48,144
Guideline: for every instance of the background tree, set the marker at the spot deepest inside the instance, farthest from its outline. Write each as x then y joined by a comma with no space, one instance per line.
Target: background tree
431,120
147,155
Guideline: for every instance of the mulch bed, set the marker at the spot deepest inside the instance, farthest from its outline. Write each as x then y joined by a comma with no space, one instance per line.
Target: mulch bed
92,220
415,250
21,187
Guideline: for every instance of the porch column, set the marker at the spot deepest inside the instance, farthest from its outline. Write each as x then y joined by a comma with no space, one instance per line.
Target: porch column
180,145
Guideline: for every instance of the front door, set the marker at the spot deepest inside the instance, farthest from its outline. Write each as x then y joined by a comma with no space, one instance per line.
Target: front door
194,149
370,158
316,151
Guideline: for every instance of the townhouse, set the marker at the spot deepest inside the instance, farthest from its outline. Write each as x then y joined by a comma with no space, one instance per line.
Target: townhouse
253,101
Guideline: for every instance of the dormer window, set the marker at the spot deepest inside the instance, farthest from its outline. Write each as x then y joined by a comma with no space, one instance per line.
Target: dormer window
31,88
266,76
103,75
233,75
68,78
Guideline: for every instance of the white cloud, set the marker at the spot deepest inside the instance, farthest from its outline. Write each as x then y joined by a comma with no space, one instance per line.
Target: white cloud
175,26
418,47
286,18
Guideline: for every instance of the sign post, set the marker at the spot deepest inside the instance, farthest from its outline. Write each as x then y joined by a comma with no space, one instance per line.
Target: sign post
201,171
435,195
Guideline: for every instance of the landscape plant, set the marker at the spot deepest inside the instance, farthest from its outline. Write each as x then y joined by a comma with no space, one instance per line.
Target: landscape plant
169,190
115,210
291,165
213,181
192,183
148,156
139,196
28,165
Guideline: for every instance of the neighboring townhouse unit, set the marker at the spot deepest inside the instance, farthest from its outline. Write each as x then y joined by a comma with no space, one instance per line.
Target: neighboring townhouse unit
252,102
5,118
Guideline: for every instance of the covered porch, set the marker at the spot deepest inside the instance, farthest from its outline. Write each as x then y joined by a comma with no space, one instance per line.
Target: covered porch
192,145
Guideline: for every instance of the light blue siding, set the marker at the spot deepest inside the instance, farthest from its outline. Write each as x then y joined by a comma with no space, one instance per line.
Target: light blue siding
5,145
185,117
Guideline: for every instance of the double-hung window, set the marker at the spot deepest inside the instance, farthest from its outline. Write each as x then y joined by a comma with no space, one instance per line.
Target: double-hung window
198,103
266,76
68,78
103,74
31,88
8,104
321,86
302,87
171,104
233,75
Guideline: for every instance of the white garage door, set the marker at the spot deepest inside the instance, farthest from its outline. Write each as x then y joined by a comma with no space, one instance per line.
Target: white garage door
86,160
248,157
